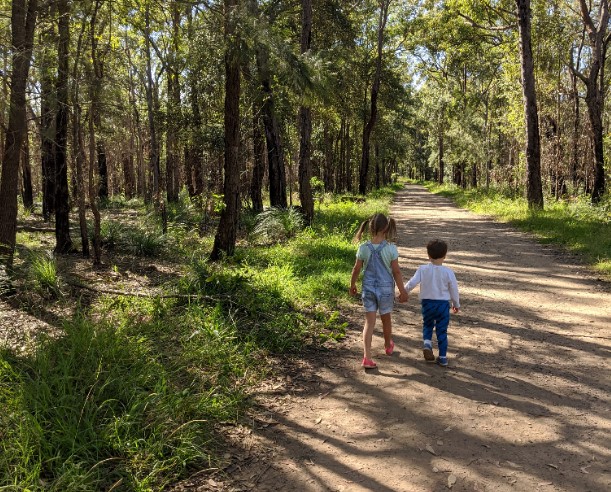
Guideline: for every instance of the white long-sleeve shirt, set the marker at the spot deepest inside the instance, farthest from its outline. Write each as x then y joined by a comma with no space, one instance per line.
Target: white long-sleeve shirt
436,282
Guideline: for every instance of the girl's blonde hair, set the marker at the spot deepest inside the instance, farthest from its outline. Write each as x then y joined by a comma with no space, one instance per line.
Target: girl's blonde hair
378,223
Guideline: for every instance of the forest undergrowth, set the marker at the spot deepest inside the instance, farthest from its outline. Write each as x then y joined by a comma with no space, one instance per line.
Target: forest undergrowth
128,391
573,224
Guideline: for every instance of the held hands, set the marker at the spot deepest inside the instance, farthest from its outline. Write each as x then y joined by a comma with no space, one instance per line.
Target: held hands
455,310
403,296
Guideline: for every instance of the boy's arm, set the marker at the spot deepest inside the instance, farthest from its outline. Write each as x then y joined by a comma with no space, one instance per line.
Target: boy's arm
396,273
356,270
412,282
454,291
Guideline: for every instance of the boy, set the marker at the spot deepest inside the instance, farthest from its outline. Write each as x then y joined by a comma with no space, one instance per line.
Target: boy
438,287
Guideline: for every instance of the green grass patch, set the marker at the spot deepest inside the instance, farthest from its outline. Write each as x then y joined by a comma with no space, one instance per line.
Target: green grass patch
131,396
576,225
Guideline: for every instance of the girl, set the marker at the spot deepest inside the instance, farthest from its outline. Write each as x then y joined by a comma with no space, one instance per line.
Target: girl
380,259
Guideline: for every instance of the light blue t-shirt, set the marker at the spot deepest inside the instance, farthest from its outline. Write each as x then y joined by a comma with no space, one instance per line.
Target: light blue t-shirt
388,254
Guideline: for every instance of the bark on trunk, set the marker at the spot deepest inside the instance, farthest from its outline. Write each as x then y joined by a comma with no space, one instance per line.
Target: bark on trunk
305,124
375,89
27,195
78,146
63,242
595,89
47,121
258,169
174,113
23,21
154,143
225,238
534,189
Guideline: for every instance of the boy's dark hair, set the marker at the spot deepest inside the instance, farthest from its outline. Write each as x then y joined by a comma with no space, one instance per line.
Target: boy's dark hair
436,249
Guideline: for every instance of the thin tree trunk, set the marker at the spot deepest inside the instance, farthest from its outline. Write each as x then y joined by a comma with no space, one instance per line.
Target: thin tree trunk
27,195
595,89
47,121
154,150
225,238
275,153
328,157
305,124
258,168
23,21
576,131
534,189
375,89
78,147
174,113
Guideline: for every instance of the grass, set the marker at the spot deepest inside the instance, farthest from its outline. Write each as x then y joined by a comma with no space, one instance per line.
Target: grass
575,225
133,394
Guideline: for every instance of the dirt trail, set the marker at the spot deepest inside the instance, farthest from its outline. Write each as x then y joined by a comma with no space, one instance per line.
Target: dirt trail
525,404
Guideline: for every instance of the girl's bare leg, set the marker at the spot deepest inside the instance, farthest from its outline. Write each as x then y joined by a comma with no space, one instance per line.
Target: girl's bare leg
370,323
387,329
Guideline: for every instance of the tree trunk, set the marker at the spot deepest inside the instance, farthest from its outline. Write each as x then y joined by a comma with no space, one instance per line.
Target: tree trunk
275,155
258,168
195,148
47,121
150,103
346,166
328,157
534,189
375,89
78,148
225,238
63,242
27,195
575,132
23,21
595,89
305,124
174,113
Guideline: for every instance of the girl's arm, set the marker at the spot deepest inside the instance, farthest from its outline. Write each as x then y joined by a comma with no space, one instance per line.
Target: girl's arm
358,264
396,273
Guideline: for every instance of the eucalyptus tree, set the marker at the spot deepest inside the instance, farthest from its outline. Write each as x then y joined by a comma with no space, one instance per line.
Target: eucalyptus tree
534,189
225,238
305,123
23,23
173,68
63,242
275,151
594,80
47,62
375,89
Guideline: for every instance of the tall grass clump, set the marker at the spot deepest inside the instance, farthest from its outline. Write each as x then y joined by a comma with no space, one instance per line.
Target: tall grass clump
43,273
575,224
129,404
278,224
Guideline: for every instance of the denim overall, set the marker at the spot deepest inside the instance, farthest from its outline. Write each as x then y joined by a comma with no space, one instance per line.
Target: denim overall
378,283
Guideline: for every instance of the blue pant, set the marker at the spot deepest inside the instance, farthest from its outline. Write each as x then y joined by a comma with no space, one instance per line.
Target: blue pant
436,314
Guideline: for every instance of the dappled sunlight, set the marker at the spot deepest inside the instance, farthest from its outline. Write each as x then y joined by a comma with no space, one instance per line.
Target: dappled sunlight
523,405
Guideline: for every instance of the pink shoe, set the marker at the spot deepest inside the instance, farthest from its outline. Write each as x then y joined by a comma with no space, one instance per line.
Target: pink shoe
390,349
368,363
